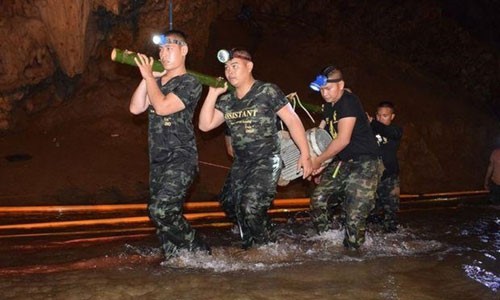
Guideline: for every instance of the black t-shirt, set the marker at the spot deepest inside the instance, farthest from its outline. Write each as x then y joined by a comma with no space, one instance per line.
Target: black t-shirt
388,137
363,141
175,131
252,120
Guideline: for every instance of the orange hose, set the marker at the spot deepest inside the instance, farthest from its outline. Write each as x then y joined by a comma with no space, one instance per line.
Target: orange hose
125,220
80,233
193,206
279,206
190,206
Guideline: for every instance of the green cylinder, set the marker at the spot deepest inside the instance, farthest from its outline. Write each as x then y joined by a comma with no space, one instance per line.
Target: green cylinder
127,57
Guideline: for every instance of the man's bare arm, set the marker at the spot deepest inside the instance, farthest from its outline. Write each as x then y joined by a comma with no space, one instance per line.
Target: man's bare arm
345,128
210,117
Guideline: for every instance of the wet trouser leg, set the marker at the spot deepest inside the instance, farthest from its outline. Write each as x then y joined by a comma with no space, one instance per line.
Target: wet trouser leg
354,186
254,190
388,201
361,186
327,194
226,199
168,186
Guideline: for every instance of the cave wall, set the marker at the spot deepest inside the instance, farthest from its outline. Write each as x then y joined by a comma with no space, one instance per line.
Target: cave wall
46,41
38,48
448,130
38,44
443,79
423,35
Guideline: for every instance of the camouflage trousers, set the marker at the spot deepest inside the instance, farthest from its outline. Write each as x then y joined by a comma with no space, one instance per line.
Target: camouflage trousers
351,184
226,201
169,183
247,195
387,202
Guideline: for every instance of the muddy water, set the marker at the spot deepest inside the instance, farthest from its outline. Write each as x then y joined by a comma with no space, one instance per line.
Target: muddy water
448,253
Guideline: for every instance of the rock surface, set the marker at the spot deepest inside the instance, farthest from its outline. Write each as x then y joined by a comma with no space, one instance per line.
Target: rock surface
67,136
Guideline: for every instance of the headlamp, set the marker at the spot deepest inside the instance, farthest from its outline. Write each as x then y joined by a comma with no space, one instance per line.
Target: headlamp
161,40
320,81
224,55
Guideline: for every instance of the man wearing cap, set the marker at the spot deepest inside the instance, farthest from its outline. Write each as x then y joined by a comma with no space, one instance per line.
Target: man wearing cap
351,179
250,112
170,100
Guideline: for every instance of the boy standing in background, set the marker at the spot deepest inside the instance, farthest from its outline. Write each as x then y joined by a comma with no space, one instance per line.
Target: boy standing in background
388,137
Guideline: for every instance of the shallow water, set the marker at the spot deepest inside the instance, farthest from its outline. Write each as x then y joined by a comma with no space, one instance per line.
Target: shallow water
437,254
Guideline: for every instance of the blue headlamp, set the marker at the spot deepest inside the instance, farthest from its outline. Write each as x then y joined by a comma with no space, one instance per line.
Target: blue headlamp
322,79
161,40
318,83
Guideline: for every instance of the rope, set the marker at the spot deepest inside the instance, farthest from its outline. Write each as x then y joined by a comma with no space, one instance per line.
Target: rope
294,98
170,15
213,165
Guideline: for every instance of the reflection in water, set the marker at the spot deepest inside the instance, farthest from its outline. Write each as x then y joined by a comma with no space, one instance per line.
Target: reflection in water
482,276
436,254
488,233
